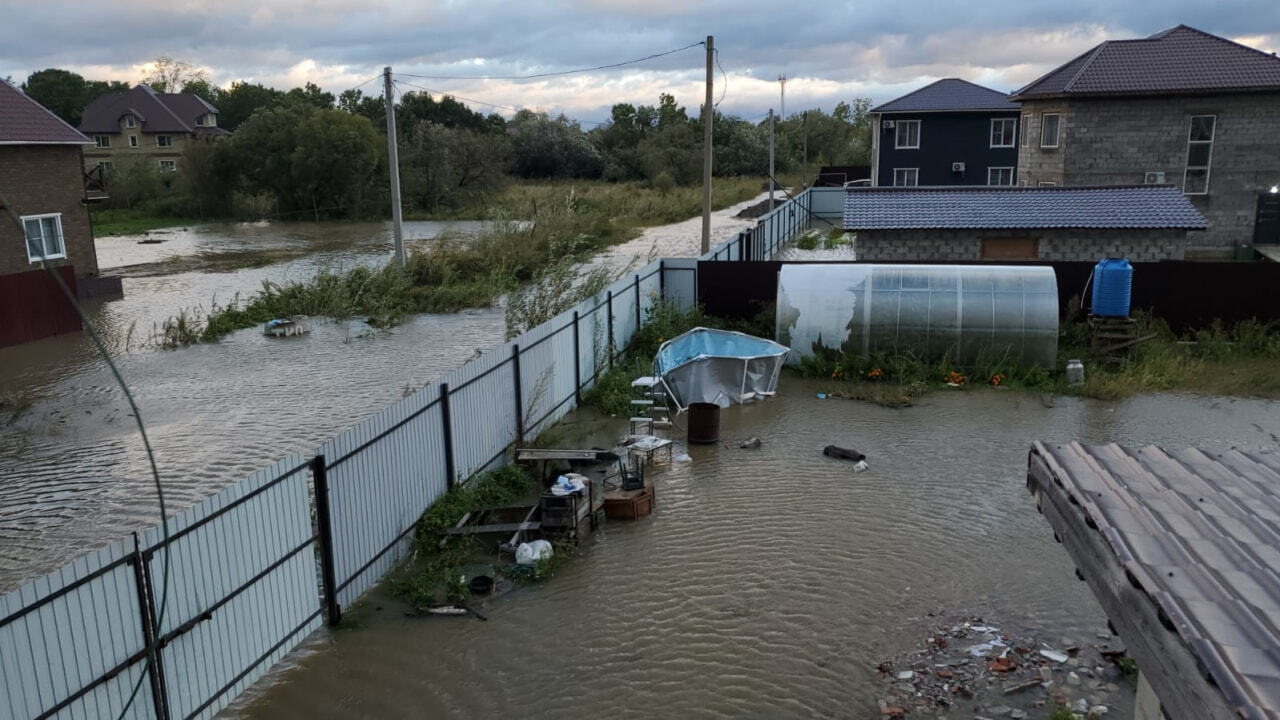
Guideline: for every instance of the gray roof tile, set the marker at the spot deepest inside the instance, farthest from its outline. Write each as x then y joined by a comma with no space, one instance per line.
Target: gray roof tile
949,94
24,121
990,208
1178,60
159,112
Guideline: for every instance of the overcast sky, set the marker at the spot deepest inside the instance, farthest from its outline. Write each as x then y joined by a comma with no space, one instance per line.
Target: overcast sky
829,51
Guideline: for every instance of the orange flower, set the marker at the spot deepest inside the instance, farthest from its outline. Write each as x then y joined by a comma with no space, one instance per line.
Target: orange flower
997,379
875,374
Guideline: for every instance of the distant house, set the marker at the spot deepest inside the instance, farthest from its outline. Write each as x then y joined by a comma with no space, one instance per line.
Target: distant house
951,132
145,123
43,219
943,224
1181,107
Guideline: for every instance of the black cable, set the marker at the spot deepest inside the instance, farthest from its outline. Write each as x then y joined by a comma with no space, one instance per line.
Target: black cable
155,473
479,102
558,73
723,76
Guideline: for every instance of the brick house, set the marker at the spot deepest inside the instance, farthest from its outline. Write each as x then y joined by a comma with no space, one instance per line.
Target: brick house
947,224
950,132
43,219
1182,107
144,123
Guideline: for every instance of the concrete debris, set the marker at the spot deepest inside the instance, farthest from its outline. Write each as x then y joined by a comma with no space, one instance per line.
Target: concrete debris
750,444
906,675
1073,679
1054,655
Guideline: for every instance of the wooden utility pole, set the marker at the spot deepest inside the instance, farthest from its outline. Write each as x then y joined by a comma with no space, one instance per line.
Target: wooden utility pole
770,159
393,159
707,112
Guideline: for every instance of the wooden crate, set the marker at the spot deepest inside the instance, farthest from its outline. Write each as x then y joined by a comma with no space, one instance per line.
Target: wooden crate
628,504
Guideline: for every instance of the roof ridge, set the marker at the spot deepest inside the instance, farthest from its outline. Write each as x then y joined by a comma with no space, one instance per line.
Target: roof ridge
1085,65
160,101
1055,70
46,110
1225,40
913,92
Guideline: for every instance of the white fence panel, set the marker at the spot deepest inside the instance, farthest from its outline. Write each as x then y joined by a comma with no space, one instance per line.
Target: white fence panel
827,202
482,405
682,282
61,632
547,373
241,588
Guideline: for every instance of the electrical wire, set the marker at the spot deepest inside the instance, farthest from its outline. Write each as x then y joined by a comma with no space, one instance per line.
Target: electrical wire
723,76
557,73
478,102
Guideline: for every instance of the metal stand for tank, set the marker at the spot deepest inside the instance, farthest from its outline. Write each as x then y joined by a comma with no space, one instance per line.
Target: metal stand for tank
1113,339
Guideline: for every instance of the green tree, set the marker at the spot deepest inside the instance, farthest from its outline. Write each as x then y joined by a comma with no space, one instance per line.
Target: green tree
311,94
443,166
207,91
168,75
545,147
67,93
240,101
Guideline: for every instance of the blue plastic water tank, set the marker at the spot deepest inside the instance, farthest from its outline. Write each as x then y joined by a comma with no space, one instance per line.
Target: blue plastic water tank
1112,286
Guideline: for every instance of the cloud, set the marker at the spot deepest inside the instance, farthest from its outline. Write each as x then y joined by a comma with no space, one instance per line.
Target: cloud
830,51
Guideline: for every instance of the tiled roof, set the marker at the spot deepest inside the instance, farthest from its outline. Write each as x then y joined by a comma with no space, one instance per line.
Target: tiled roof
24,121
1178,60
949,94
158,112
1197,535
990,208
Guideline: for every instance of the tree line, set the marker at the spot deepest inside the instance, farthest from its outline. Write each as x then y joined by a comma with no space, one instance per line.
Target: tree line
305,152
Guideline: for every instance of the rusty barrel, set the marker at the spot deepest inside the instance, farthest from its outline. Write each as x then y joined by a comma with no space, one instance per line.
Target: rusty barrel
704,423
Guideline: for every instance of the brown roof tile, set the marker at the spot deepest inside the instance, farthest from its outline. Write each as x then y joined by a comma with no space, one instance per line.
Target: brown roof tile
158,112
24,121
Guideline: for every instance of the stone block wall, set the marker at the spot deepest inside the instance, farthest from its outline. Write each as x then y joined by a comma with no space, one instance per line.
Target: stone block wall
39,179
1052,244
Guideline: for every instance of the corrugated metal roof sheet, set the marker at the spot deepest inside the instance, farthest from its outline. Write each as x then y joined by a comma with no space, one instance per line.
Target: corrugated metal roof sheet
949,94
937,208
1199,532
24,121
1178,60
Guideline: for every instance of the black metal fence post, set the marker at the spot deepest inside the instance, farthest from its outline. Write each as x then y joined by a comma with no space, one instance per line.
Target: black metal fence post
609,345
637,304
662,280
577,363
515,373
324,524
147,617
446,423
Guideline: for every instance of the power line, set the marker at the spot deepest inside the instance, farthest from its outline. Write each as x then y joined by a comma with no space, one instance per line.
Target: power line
558,73
478,102
723,76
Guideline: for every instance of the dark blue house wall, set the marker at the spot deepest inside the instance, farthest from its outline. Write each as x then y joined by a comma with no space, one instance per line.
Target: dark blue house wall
946,138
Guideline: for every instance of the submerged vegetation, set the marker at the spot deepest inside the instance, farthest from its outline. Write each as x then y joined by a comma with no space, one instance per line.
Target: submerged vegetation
1220,360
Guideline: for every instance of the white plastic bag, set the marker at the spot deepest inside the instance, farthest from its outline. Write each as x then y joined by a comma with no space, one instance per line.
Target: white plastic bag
531,552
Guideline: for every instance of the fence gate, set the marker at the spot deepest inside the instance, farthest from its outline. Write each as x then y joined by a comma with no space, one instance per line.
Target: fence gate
1266,229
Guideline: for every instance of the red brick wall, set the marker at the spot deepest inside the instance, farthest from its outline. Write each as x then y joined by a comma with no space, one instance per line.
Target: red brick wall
38,179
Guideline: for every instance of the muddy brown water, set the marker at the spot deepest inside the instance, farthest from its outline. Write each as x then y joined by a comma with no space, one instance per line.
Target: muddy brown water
767,583
73,473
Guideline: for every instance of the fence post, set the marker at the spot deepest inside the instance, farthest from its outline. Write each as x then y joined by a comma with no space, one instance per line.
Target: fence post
147,617
328,576
662,280
515,373
446,423
609,345
577,363
637,305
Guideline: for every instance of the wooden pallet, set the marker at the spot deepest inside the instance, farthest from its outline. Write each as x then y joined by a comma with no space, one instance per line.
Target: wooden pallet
1114,339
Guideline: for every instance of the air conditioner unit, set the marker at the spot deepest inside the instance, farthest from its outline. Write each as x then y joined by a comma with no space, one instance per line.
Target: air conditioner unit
957,167
888,124
1153,178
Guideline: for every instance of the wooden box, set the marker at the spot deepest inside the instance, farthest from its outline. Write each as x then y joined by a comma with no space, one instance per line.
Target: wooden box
628,504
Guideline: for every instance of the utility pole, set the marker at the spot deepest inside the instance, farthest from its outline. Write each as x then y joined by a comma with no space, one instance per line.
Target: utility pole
707,112
782,80
771,159
804,125
393,159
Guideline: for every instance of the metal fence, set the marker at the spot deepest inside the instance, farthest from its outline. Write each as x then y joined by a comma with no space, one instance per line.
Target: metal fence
244,576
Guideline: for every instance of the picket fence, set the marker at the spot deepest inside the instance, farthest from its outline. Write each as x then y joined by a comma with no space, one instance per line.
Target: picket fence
156,626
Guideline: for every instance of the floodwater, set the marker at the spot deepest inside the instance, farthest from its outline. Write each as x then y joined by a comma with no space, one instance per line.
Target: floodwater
73,472
767,583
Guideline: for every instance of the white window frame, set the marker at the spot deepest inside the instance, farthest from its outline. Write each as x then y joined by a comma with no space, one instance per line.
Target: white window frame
106,166
915,177
168,166
129,122
1207,167
164,141
1013,137
1046,183
1057,133
102,141
44,243
1025,129
133,141
1012,172
897,135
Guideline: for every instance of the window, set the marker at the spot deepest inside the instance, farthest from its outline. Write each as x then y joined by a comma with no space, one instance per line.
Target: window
1004,132
106,166
102,141
906,176
1009,249
999,176
907,135
129,121
164,140
133,141
1049,130
44,237
168,165
1046,183
1026,133
1199,152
